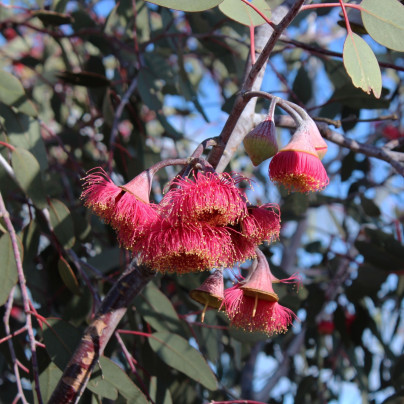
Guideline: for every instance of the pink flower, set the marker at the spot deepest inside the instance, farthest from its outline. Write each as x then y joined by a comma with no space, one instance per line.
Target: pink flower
262,223
184,248
126,207
297,166
252,303
207,197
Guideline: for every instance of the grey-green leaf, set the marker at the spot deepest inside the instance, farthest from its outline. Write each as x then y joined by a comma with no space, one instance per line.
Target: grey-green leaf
176,352
48,380
8,268
361,64
384,21
62,223
12,94
28,175
114,375
68,276
244,14
187,5
157,310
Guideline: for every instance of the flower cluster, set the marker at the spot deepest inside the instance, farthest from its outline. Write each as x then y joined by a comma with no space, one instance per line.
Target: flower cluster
205,221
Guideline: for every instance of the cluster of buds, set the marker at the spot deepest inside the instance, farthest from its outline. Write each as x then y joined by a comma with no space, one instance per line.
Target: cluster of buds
297,166
206,222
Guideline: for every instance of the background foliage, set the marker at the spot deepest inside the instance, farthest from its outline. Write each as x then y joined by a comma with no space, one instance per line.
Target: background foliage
86,84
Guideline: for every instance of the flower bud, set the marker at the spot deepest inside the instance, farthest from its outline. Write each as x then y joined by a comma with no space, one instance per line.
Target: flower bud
260,144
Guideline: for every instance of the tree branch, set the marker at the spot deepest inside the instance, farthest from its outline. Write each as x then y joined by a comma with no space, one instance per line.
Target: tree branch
96,336
240,118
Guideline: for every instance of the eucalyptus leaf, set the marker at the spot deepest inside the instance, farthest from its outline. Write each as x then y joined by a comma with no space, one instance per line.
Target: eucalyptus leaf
12,94
187,5
62,223
384,21
28,175
244,14
361,64
8,267
176,352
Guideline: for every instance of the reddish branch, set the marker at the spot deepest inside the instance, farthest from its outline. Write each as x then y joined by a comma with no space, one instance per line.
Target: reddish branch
96,336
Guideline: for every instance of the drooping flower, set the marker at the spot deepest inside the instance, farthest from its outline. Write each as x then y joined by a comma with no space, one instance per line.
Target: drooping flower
262,223
126,208
184,248
315,138
253,305
297,165
260,144
210,293
243,248
207,197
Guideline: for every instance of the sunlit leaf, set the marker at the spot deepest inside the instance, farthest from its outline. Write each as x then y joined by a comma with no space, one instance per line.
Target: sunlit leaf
244,14
361,64
384,21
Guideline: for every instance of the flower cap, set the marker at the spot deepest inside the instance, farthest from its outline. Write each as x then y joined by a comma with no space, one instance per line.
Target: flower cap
260,144
210,293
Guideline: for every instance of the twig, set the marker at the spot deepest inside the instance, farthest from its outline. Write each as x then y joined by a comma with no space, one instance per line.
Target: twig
25,296
381,153
6,318
219,158
117,117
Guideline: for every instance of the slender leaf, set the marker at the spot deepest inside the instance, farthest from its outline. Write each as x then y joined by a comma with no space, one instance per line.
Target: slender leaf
361,64
28,175
12,94
114,375
157,310
68,276
8,268
62,223
244,14
177,353
48,380
384,21
187,5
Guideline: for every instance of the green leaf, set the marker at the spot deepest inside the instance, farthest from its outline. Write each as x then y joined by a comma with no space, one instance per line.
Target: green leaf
24,131
148,90
12,94
302,86
100,386
68,276
384,21
361,64
28,175
159,391
8,267
176,352
62,223
114,375
48,380
244,14
85,79
52,17
157,310
187,5
61,340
